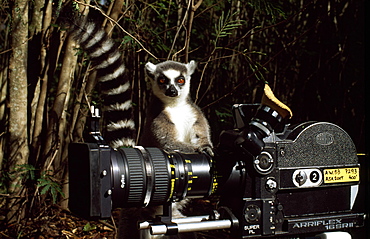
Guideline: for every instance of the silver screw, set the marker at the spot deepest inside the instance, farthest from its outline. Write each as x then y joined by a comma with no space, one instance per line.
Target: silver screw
271,184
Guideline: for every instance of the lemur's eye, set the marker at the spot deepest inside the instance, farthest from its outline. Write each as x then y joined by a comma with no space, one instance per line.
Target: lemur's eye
161,80
181,80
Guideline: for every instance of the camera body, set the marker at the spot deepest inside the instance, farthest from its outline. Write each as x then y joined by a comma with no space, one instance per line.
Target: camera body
304,181
273,179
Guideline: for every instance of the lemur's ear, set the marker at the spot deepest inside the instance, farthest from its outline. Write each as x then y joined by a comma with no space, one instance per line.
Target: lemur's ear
191,66
150,69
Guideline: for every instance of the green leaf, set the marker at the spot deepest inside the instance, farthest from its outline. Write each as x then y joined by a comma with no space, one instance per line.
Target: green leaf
223,114
45,189
53,194
126,39
42,182
48,185
226,25
89,227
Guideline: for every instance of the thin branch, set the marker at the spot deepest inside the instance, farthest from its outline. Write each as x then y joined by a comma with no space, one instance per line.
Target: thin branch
11,49
208,8
194,8
249,33
120,27
224,24
261,67
177,33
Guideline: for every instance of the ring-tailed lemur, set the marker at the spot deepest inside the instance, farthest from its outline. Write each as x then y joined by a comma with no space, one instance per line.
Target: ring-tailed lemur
173,123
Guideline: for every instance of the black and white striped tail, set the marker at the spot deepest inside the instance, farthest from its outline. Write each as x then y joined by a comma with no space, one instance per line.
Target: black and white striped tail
115,88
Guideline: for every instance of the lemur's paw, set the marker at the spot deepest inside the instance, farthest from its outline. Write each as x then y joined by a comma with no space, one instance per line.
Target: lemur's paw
206,149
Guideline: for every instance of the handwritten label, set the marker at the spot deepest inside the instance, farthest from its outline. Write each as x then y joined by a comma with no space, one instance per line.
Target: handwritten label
341,175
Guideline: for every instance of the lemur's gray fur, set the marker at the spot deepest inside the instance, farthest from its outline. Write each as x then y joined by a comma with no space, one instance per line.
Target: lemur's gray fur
174,122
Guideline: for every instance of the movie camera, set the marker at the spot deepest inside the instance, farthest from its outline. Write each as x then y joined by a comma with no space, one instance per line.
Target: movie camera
272,178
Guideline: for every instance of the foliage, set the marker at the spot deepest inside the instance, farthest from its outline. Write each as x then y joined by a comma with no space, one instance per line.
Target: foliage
269,7
28,173
47,184
89,227
226,25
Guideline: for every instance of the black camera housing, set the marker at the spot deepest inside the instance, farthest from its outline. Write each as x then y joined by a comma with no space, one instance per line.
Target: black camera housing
304,181
273,179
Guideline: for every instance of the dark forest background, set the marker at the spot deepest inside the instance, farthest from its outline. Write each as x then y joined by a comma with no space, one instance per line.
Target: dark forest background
310,52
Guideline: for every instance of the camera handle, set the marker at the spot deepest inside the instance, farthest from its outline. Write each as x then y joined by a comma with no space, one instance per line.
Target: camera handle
221,219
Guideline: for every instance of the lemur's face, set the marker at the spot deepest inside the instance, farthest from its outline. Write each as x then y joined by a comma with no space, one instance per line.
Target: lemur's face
170,79
171,82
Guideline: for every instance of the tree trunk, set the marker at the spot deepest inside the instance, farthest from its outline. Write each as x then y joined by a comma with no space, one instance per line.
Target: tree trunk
115,13
38,116
18,151
55,128
4,61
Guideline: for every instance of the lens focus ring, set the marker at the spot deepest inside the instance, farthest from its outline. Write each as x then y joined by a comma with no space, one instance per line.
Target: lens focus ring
137,180
161,176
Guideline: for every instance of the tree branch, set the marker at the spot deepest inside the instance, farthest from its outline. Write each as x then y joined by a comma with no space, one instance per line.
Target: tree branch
120,27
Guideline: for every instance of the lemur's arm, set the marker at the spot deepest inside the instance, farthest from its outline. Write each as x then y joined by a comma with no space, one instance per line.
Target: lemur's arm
202,131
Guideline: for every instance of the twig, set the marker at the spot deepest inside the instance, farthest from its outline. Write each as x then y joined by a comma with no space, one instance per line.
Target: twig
108,224
2,233
201,77
120,27
260,68
177,34
114,225
223,23
194,8
250,32
11,49
263,66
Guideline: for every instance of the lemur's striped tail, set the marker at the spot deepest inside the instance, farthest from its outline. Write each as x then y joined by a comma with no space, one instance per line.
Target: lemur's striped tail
115,88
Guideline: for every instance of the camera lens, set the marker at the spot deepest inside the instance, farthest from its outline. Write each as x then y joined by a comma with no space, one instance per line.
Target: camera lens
150,176
261,126
265,121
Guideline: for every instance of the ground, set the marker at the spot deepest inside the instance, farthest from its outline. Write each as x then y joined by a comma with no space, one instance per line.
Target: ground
59,223
56,223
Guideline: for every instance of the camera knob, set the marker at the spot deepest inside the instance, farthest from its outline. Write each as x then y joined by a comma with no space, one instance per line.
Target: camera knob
252,213
264,163
271,184
301,178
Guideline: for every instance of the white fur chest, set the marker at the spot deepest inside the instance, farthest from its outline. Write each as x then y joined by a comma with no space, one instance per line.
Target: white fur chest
184,118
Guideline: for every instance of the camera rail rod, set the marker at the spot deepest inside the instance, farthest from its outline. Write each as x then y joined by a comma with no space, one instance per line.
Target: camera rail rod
187,224
221,219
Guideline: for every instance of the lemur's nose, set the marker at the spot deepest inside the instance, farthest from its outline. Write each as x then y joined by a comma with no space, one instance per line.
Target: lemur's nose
171,91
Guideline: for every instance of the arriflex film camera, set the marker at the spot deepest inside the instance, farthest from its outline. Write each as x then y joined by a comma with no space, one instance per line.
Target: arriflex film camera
272,179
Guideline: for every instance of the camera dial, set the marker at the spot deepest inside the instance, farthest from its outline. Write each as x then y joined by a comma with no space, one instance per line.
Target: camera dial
252,213
264,163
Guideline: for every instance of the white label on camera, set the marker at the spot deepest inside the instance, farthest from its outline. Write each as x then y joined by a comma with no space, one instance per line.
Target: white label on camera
307,178
251,229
